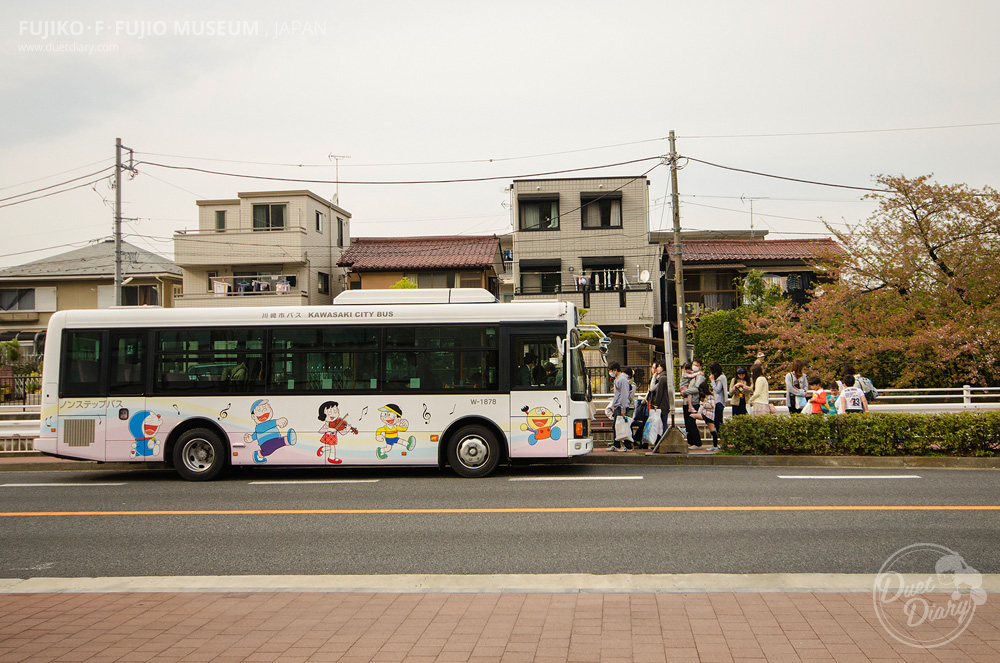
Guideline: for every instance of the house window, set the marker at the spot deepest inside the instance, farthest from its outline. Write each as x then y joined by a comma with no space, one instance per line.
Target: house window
211,280
323,283
436,280
540,278
268,217
220,219
140,295
470,280
601,210
538,213
340,231
606,273
17,299
319,222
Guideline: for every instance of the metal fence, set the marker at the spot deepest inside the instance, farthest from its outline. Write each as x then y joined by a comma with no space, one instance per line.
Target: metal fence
20,390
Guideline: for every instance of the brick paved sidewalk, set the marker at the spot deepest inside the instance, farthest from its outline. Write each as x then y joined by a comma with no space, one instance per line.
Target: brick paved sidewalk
481,627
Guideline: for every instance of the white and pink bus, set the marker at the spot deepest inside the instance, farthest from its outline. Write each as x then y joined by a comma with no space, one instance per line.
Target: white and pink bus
445,377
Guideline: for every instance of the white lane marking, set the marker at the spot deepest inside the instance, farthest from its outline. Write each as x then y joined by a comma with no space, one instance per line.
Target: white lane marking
630,478
53,485
849,476
296,481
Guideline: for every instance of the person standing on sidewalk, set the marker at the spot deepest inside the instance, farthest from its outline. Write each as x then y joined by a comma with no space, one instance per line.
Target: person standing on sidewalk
619,402
659,395
759,400
740,391
692,397
720,391
797,387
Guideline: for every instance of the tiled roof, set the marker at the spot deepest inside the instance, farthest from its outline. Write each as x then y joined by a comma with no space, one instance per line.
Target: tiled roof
731,250
395,253
95,260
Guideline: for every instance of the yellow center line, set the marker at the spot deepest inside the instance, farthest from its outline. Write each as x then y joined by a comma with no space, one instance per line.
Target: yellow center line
568,509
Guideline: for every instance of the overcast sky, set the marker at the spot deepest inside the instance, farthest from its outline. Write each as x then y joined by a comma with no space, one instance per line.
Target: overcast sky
834,92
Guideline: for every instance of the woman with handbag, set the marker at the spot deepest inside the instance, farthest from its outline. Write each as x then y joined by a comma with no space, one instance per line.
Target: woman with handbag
758,402
739,392
796,387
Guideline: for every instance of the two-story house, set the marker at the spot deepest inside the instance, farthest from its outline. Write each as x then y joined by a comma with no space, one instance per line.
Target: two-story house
587,241
81,279
458,261
264,248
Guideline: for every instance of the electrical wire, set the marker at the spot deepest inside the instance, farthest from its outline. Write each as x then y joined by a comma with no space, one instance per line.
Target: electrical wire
62,172
788,179
52,186
411,163
398,182
53,193
841,133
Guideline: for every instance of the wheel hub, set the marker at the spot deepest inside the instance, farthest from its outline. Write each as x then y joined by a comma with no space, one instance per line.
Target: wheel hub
473,451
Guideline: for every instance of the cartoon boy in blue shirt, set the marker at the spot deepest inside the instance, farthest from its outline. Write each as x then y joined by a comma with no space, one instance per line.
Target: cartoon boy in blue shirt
266,432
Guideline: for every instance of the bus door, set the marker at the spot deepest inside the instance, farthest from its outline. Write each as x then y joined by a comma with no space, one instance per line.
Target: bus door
132,431
538,416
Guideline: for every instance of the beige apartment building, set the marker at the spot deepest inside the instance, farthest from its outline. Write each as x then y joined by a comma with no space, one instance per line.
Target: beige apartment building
587,241
264,248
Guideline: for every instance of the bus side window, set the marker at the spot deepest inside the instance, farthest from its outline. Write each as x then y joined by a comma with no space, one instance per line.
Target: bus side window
128,363
81,364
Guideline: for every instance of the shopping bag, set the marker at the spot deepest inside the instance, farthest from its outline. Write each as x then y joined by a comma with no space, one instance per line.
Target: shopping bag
623,429
651,432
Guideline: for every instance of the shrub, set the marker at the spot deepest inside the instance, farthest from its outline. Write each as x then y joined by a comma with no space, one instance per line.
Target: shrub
866,434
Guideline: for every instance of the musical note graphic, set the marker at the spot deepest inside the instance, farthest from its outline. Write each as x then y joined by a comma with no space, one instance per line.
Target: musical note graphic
427,415
364,411
177,408
224,413
556,400
453,408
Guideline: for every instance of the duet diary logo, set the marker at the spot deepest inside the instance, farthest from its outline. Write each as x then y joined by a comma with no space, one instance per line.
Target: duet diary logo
926,595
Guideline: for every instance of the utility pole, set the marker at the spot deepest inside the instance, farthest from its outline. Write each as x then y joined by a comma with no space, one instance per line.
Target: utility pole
678,262
118,222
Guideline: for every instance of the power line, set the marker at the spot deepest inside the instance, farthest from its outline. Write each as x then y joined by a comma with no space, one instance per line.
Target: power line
398,182
52,193
841,133
52,186
410,163
63,172
788,179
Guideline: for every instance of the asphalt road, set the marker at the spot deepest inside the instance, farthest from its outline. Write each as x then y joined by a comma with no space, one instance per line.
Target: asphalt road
543,519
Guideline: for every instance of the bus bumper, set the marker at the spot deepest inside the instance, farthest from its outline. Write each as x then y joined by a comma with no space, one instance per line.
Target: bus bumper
580,446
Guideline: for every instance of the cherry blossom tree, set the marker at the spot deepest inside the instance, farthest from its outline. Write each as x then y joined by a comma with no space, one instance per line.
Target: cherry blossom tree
913,298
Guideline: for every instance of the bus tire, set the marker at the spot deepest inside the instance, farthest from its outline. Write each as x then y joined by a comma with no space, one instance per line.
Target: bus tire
473,451
199,455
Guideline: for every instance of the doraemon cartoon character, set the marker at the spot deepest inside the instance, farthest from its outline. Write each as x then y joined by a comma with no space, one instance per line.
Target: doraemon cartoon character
542,424
392,417
266,433
143,426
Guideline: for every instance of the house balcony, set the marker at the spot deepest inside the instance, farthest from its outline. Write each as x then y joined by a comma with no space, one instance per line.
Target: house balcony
278,290
207,248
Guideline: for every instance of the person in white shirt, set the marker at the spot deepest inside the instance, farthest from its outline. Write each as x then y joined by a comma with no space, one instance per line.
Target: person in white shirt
851,398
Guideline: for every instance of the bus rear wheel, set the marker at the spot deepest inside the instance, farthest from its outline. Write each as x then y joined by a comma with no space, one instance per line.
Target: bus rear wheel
473,451
199,455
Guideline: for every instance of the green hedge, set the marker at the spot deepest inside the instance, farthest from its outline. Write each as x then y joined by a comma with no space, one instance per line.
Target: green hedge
866,434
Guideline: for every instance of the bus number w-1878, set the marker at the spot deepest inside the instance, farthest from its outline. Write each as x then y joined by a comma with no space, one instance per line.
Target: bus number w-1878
483,401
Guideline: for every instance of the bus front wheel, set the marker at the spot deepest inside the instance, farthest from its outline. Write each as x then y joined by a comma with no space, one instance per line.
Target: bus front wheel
473,451
199,455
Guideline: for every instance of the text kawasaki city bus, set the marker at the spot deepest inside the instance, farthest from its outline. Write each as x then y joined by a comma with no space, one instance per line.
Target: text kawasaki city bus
393,377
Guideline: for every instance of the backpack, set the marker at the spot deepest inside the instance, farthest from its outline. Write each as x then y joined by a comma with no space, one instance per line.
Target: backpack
867,388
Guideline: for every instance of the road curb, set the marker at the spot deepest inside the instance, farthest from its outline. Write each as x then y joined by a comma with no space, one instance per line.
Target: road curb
39,463
930,462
